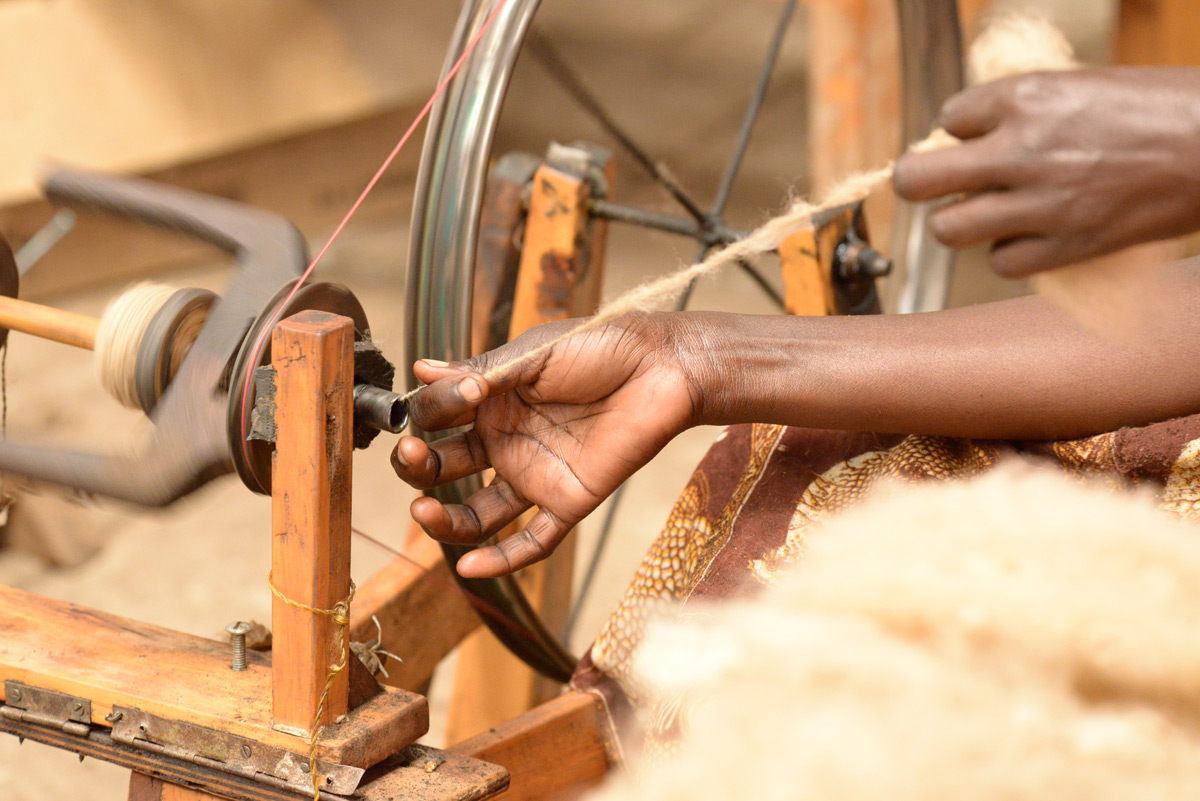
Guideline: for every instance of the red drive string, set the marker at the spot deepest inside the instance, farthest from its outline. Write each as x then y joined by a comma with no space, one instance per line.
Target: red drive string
441,89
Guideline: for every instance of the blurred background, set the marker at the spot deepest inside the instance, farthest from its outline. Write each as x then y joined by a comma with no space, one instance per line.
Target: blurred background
291,106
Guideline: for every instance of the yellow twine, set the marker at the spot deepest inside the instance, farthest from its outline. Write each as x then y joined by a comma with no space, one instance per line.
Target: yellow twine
341,618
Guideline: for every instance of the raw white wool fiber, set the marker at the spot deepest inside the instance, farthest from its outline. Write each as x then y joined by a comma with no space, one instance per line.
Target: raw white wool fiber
1017,638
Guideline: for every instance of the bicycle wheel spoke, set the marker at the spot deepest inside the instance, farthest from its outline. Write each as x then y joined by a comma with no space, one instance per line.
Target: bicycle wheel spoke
615,212
546,55
752,112
763,284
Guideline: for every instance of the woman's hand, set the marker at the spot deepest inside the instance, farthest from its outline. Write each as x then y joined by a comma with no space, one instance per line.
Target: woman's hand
1063,166
561,431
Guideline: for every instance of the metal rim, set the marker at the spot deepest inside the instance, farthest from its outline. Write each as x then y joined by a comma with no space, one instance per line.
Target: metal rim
445,230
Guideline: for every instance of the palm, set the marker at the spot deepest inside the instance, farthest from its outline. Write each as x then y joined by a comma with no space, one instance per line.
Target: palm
561,432
569,446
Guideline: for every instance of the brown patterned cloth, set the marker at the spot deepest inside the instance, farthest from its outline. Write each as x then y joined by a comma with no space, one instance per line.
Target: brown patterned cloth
743,517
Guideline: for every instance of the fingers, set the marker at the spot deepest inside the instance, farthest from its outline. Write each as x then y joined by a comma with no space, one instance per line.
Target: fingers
1021,257
991,217
470,523
972,167
431,370
449,401
424,465
976,111
531,544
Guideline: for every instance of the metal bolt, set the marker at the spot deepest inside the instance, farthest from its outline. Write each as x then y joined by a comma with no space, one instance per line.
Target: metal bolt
237,635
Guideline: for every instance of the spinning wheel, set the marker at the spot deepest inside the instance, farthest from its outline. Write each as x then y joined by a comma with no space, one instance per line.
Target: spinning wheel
454,187
308,716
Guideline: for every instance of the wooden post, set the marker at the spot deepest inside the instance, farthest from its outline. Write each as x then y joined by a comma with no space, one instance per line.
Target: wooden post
1159,32
561,265
313,355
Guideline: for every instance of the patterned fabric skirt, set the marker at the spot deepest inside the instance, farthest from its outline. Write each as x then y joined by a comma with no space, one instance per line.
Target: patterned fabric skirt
744,514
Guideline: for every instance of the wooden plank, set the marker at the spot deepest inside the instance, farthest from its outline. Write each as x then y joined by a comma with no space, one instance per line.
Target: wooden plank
561,269
420,609
312,353
116,661
416,773
1159,33
554,751
549,268
806,259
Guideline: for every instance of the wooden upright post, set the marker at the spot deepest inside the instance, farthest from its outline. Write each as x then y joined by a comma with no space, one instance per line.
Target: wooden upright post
1159,33
313,355
562,260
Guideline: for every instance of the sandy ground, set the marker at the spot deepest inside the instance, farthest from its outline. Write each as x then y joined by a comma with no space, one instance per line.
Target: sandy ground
203,563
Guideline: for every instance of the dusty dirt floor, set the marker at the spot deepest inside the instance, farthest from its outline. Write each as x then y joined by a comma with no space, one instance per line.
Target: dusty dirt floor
203,562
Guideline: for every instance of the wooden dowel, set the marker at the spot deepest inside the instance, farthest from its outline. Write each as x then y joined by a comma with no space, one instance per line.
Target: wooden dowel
66,327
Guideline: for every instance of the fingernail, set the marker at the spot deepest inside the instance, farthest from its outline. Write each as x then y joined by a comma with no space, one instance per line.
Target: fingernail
469,390
436,362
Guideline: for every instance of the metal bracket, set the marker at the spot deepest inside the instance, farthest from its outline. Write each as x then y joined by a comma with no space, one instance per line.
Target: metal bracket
47,708
262,416
229,753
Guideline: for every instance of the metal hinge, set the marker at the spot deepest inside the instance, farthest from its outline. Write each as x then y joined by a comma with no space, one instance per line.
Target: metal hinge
46,708
229,753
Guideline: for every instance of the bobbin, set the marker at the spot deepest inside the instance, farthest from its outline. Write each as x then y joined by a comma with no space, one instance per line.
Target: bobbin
167,341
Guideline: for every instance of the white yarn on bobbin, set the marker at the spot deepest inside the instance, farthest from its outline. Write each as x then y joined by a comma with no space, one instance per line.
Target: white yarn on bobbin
119,336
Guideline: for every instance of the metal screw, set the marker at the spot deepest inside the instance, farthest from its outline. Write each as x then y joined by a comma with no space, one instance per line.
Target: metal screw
16,694
245,752
237,634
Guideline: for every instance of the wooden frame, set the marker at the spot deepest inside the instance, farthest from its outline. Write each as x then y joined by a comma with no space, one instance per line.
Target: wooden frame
274,702
193,705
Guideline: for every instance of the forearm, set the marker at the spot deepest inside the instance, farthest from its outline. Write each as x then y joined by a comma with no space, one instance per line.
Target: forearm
1017,369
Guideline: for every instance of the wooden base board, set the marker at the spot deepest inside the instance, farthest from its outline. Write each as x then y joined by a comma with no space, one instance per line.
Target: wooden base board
111,660
416,773
555,751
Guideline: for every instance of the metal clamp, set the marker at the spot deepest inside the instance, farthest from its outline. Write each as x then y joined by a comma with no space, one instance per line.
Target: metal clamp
46,708
229,753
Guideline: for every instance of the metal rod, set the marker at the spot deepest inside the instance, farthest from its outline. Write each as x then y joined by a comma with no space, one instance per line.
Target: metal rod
718,235
46,238
763,284
541,49
381,409
715,215
752,111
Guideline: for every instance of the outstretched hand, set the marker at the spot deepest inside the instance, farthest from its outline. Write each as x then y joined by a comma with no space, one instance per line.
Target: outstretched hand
1060,167
561,431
